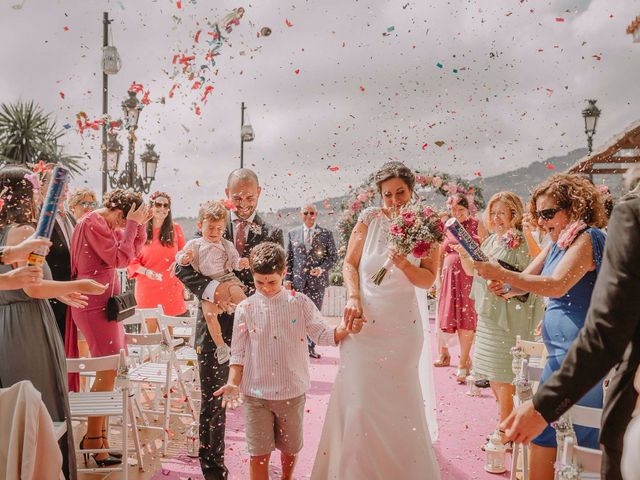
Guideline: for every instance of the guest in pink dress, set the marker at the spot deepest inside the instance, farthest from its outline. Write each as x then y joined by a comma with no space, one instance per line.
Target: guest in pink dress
456,311
104,240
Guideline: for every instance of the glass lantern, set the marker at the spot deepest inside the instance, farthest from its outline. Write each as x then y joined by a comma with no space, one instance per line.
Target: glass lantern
496,453
193,440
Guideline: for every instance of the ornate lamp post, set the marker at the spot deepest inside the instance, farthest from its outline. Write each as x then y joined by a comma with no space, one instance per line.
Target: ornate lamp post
129,177
246,134
590,115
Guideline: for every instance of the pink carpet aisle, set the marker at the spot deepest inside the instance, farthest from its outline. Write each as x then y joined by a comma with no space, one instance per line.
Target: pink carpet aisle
464,423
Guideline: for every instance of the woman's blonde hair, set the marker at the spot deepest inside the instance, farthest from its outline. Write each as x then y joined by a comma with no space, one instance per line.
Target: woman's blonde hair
76,197
512,202
577,195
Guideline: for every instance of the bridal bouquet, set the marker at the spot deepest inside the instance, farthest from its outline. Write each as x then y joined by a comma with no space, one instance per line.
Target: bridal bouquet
413,231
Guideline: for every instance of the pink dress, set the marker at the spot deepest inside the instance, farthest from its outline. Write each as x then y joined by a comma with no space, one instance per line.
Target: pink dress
455,309
96,252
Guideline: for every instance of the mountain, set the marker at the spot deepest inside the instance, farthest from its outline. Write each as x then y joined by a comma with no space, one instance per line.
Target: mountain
519,181
522,180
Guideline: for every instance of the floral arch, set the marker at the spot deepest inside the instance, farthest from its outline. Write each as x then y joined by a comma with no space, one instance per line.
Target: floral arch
428,185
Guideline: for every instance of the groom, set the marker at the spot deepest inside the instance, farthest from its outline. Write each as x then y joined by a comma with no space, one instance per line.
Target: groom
245,229
610,338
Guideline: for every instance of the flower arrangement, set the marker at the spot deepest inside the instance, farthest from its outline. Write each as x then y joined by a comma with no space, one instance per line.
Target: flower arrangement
512,239
413,231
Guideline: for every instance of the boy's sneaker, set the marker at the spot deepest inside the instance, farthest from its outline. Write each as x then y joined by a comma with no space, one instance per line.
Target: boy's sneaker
223,353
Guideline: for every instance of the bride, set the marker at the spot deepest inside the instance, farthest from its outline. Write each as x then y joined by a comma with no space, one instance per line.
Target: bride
376,425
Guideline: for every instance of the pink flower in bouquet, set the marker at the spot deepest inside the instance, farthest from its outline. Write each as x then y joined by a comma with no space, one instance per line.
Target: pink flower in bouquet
439,226
420,249
427,211
409,217
355,206
437,182
396,230
421,180
570,233
363,197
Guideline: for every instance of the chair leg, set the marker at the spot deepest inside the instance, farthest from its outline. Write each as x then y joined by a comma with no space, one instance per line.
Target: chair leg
125,434
186,394
514,461
525,462
136,437
167,404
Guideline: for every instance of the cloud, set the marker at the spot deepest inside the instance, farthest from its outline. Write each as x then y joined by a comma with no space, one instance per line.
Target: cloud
520,83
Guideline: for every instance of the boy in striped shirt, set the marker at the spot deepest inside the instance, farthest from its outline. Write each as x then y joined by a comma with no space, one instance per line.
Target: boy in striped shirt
269,362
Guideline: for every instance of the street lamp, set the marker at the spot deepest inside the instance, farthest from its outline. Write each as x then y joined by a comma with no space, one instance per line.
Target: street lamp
246,134
114,149
111,64
591,115
129,177
150,161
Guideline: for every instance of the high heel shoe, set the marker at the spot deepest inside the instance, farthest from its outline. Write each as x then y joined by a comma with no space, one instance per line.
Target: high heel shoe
105,462
462,373
443,361
113,454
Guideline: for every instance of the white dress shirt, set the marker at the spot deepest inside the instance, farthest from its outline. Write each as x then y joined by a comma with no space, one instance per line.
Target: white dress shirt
270,341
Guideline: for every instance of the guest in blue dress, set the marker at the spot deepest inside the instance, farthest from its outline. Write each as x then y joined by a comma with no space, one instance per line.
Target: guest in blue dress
570,210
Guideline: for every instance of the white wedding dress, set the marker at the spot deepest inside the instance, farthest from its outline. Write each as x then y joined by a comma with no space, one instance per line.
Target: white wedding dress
376,425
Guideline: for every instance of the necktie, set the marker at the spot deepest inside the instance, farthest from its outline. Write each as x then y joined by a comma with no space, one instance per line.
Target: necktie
307,237
241,227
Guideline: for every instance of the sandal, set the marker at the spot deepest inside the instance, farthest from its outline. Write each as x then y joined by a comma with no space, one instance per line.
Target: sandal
443,361
462,373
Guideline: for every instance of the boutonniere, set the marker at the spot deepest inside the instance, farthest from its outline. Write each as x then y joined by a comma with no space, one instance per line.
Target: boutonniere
255,229
511,239
570,233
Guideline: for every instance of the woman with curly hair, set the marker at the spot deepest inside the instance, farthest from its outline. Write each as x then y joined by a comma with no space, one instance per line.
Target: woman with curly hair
104,240
570,210
153,267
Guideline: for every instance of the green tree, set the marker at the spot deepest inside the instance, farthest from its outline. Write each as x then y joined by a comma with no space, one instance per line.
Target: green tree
28,135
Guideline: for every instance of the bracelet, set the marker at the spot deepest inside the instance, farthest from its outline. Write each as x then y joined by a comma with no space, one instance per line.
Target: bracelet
2,255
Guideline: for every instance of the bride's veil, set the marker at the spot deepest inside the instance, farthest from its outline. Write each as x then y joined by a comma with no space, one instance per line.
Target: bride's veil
425,370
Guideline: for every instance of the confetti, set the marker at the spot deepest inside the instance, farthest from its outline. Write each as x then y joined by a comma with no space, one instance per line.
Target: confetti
439,65
179,4
61,95
197,36
207,90
439,143
361,88
559,19
66,126
136,87
551,166
297,71
333,168
66,29
424,146
265,32
288,23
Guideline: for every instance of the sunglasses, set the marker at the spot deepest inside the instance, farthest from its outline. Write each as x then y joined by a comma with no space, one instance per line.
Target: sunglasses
313,214
88,204
548,213
160,205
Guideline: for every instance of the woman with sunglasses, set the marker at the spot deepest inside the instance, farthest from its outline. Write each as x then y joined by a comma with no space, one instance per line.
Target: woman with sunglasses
81,202
153,267
570,210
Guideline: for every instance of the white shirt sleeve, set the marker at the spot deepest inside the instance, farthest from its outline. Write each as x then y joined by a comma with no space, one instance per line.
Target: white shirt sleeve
210,290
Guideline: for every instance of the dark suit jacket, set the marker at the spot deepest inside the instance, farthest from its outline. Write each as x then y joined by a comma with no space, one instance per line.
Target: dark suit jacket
59,261
197,283
611,334
301,260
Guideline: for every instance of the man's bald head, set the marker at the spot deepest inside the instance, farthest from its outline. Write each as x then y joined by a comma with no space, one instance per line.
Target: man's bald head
242,175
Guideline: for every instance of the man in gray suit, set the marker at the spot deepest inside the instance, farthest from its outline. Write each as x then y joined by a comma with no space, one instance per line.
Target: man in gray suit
311,252
609,338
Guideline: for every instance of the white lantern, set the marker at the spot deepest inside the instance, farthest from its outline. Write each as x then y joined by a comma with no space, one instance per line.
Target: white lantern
111,62
247,133
193,440
496,452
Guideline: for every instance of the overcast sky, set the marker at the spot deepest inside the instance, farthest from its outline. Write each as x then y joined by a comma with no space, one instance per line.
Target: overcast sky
350,84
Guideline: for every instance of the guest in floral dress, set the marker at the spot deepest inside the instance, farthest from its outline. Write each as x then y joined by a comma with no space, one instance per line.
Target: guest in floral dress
456,312
500,321
152,269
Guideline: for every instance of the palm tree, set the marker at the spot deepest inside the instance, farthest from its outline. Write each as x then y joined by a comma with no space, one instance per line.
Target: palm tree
28,135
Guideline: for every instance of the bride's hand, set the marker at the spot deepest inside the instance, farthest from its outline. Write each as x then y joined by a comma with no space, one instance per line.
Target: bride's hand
398,259
352,310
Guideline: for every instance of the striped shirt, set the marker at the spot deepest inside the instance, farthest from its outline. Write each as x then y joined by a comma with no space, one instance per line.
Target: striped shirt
210,259
270,341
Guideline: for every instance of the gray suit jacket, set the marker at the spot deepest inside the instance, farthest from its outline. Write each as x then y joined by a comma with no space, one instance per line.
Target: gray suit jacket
300,259
611,334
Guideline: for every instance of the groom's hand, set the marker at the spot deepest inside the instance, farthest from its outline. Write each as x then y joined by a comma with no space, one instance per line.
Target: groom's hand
523,424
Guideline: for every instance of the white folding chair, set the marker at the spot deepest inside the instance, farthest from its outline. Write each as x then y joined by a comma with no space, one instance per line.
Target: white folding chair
183,327
581,461
98,404
164,374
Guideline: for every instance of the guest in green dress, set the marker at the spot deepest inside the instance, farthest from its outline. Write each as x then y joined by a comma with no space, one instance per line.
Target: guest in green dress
499,320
